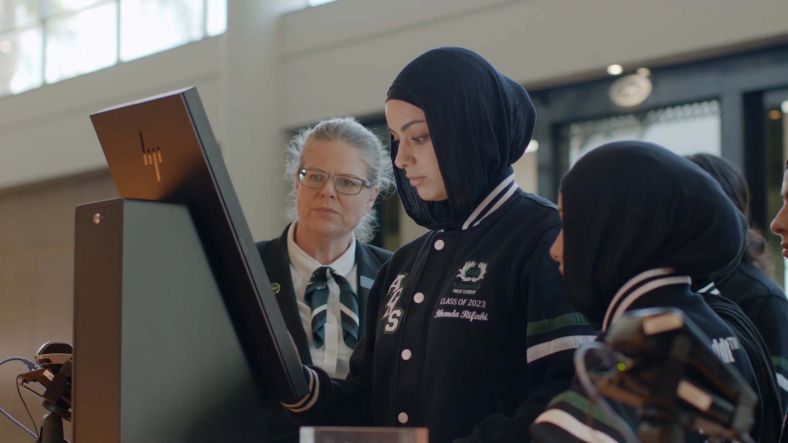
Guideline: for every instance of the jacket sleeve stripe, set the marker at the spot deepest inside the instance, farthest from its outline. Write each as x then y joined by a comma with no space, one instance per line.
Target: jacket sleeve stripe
310,398
780,363
573,426
541,350
782,381
553,324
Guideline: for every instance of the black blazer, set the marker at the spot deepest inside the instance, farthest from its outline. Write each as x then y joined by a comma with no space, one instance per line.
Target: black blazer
369,260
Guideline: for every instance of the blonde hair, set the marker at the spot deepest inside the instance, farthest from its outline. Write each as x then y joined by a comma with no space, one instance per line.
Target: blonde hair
350,131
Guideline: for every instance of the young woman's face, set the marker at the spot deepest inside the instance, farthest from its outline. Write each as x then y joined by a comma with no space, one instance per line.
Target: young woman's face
780,223
557,250
322,210
416,155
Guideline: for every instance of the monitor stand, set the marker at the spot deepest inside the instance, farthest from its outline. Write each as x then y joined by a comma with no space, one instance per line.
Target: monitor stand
156,357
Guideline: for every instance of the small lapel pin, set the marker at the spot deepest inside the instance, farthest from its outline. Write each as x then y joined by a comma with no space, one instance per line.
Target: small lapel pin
275,288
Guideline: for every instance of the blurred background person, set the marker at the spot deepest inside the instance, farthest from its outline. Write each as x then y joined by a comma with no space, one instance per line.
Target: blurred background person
761,299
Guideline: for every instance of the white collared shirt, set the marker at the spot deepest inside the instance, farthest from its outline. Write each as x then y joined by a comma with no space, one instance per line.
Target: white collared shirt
334,356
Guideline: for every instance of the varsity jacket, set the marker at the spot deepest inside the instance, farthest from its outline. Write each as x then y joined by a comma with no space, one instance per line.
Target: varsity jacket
572,417
470,338
274,253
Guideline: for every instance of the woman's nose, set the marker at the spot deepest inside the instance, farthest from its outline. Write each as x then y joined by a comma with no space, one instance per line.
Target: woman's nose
329,189
403,159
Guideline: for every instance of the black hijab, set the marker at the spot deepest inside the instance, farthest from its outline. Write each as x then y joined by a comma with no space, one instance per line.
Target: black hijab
631,206
480,122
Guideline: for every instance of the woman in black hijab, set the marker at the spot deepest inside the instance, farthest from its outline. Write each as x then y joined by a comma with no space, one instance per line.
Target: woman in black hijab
472,338
639,223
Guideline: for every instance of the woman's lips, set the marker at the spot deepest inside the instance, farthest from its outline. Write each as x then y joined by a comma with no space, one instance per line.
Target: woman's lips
415,181
325,211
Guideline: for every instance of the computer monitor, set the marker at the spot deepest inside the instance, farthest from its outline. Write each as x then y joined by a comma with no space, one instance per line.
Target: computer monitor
162,149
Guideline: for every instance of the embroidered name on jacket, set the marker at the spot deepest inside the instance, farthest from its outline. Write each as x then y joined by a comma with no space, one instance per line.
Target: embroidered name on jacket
393,313
463,303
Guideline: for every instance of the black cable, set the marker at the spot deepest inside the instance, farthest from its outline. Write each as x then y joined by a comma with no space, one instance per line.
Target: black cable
593,392
31,366
24,385
24,403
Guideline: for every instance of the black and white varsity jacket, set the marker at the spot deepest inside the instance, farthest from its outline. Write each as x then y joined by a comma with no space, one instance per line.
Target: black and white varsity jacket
572,417
471,337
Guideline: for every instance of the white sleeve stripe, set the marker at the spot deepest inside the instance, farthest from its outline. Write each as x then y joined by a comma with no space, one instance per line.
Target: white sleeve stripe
570,424
310,398
782,381
536,352
308,394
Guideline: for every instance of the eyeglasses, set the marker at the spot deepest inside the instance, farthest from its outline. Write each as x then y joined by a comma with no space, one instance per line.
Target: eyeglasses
344,184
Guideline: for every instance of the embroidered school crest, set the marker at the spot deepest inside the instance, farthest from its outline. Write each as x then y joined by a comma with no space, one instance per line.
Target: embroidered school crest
393,313
472,272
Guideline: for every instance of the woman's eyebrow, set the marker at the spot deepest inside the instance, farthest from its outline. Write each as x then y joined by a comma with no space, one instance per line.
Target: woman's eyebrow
411,123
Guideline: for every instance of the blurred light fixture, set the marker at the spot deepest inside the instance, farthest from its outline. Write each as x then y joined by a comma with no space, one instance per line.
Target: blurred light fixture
532,147
784,107
645,72
775,114
615,69
630,90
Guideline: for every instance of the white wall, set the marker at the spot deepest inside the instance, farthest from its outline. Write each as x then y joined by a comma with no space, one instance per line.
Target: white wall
341,58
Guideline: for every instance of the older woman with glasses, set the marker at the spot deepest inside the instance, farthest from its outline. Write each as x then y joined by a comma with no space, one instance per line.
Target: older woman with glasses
320,268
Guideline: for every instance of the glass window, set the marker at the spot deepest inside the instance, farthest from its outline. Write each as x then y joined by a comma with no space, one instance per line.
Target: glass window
150,26
684,129
216,20
21,61
45,41
15,14
318,2
81,42
55,7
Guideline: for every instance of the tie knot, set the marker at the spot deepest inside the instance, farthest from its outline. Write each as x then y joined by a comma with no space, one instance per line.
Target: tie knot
320,275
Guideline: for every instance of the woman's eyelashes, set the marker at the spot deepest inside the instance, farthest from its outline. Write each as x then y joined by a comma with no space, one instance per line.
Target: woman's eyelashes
420,140
417,140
